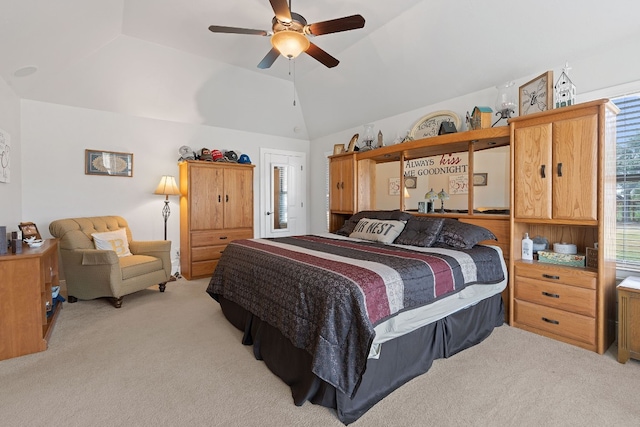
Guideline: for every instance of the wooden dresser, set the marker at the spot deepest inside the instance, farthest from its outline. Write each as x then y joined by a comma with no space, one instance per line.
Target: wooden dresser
26,280
629,319
216,207
564,189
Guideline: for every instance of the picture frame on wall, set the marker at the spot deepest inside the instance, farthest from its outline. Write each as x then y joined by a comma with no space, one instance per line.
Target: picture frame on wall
108,163
536,95
480,179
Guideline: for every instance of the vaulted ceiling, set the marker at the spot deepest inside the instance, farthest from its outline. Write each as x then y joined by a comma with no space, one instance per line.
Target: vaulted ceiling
157,59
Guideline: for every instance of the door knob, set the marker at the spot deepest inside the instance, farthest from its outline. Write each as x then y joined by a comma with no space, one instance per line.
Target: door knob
269,213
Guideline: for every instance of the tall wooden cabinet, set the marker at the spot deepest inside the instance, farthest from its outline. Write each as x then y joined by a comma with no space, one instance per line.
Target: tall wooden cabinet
563,188
26,307
351,187
216,207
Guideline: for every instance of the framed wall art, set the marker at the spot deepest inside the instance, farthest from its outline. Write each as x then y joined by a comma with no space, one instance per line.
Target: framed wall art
536,95
479,179
338,149
109,163
394,186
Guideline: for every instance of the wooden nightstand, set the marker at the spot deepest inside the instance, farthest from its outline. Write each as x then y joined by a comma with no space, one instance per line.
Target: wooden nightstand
629,319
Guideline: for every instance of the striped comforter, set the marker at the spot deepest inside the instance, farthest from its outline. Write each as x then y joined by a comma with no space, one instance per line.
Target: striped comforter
326,295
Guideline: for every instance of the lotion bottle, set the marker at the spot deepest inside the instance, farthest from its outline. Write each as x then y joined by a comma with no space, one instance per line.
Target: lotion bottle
527,248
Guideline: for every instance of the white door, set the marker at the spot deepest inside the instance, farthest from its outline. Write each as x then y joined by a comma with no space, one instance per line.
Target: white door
283,193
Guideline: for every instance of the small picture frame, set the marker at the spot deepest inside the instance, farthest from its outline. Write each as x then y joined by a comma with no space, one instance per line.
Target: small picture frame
480,179
422,207
29,229
411,182
352,144
536,95
109,163
338,149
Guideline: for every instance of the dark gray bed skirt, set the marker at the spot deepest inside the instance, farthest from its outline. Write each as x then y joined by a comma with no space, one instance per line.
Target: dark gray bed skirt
401,359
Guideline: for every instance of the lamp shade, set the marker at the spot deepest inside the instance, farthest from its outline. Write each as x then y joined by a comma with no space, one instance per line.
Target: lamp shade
431,195
406,193
290,43
167,187
443,195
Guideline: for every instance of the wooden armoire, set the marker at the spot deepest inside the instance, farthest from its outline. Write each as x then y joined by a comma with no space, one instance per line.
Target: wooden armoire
563,169
216,207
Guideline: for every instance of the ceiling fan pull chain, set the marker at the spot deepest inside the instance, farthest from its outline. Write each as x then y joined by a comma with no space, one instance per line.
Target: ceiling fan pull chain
294,78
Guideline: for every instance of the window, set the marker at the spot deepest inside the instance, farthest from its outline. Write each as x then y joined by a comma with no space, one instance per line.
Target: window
628,182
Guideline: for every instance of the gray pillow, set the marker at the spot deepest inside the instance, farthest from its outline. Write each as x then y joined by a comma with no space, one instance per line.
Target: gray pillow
378,230
350,224
420,231
463,235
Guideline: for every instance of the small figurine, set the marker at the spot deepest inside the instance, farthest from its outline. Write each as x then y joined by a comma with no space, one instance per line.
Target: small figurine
380,139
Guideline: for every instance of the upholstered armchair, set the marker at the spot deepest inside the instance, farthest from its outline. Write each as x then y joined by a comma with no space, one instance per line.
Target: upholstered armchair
115,270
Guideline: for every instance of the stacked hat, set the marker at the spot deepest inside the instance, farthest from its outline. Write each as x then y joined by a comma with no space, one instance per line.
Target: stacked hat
205,154
216,155
244,159
231,156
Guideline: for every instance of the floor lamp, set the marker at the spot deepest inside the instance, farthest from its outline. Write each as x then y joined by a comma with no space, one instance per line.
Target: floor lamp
167,187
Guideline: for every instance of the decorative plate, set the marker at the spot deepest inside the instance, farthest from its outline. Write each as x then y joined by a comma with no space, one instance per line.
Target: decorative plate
429,125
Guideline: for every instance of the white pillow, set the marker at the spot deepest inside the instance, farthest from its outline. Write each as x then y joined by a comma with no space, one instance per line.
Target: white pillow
378,230
113,241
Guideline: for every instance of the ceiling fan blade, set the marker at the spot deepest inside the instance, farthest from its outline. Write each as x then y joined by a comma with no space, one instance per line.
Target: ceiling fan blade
322,56
281,9
268,60
234,30
336,25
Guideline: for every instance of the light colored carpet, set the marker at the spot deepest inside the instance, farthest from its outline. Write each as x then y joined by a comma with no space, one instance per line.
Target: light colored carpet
173,360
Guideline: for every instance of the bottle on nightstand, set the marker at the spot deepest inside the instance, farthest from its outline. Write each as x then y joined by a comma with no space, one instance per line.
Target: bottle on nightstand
527,248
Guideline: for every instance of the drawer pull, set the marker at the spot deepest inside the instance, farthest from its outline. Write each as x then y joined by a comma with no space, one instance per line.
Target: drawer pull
553,322
223,237
549,276
547,294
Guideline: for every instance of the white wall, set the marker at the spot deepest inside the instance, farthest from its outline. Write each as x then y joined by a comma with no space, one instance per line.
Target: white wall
55,186
11,192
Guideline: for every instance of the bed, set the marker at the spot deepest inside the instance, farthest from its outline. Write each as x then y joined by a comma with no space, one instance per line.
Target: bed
346,318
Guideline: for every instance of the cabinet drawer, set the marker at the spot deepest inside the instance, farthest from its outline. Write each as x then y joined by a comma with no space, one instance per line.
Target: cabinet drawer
556,295
557,274
203,268
206,253
219,237
559,322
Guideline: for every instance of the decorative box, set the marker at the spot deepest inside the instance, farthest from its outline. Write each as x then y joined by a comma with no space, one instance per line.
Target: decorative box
573,260
592,257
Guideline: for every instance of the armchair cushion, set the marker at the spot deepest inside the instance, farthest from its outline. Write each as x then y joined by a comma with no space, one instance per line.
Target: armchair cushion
113,240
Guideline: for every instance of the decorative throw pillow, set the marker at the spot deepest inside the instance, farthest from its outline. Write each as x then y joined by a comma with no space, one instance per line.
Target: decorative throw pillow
349,225
113,241
378,230
463,235
420,231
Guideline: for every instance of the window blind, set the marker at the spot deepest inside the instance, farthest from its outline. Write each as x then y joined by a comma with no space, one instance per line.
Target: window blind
628,182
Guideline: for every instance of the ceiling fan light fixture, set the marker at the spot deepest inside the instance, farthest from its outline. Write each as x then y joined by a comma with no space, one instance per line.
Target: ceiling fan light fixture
290,43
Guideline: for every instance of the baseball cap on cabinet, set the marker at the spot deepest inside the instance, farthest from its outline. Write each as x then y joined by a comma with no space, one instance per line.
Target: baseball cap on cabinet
244,159
231,156
216,155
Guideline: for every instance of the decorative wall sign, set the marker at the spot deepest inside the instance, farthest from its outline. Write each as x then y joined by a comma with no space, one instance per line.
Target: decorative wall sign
429,125
394,186
537,94
459,184
108,163
5,160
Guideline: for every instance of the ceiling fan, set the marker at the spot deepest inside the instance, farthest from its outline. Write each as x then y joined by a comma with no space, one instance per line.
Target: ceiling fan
289,34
